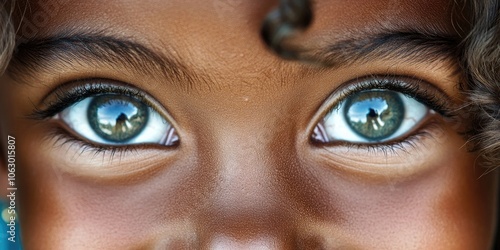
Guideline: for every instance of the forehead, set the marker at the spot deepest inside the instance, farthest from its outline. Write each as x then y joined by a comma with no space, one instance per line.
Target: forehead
218,22
236,11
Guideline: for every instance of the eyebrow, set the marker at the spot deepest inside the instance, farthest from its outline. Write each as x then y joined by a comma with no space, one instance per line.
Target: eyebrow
403,45
40,54
46,54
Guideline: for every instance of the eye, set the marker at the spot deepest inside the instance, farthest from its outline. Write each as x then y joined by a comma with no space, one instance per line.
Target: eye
116,119
371,116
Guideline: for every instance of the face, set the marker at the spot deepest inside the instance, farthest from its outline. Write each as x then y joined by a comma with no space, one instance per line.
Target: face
170,125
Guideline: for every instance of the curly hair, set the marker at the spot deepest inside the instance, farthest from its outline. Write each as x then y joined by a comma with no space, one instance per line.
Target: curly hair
7,38
481,62
283,23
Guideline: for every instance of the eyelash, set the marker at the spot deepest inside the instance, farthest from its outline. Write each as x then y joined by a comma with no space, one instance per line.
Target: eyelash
431,100
437,102
395,147
62,137
92,87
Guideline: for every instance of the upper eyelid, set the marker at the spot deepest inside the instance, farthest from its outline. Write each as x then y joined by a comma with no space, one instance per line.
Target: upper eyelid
51,103
90,82
382,80
386,82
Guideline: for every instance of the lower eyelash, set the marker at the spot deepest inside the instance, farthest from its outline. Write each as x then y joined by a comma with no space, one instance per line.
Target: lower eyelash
62,138
405,146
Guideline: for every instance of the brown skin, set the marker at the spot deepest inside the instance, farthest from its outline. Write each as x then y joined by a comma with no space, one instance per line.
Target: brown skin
245,174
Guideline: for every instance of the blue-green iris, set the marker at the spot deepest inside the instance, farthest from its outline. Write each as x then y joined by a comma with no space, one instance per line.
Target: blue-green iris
117,118
374,114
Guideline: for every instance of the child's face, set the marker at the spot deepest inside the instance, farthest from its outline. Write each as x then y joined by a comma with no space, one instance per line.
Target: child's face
246,171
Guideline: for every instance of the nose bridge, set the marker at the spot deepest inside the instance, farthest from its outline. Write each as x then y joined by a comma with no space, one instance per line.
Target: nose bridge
245,208
245,172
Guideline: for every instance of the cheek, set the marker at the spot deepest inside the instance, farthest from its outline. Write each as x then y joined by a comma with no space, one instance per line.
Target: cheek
72,211
468,205
447,207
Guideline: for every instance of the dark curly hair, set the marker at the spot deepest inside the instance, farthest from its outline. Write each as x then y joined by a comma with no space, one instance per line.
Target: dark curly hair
7,37
481,62
283,23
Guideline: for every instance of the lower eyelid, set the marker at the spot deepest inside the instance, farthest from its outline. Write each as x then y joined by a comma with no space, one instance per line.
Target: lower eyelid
61,137
431,128
395,160
84,161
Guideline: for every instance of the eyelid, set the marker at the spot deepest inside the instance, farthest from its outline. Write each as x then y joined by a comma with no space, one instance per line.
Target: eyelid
420,90
70,93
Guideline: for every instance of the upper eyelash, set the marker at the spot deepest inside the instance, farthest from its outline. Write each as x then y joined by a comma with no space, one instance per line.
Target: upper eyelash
431,100
91,87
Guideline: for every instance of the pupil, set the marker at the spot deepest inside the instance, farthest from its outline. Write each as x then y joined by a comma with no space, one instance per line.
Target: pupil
374,114
117,118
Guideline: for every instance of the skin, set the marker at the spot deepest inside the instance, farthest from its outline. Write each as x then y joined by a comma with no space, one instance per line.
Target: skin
245,174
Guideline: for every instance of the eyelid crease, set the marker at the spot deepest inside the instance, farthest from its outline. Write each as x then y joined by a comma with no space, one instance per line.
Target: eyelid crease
72,92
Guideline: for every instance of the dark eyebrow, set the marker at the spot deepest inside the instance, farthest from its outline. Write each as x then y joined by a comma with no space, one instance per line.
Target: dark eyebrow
43,54
410,46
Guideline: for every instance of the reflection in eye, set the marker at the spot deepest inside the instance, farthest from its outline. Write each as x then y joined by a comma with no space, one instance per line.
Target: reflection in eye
118,120
371,116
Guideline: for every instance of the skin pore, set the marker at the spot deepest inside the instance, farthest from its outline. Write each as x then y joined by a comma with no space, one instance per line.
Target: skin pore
245,173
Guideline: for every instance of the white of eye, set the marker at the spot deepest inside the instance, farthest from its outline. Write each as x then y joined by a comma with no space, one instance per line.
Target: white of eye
157,130
336,128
